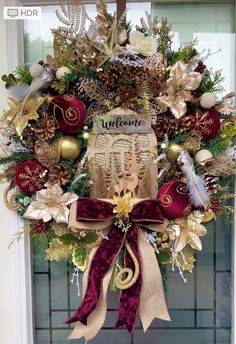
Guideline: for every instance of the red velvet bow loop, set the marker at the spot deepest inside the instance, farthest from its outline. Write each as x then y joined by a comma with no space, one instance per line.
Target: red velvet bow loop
147,211
92,209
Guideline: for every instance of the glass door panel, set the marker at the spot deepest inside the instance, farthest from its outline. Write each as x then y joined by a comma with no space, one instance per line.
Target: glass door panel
200,309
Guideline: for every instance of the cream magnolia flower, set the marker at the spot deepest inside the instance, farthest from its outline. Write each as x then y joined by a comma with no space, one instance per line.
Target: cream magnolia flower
51,203
141,44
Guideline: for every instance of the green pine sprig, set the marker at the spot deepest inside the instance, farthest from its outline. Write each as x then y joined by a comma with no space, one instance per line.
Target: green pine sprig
17,156
211,82
23,75
217,145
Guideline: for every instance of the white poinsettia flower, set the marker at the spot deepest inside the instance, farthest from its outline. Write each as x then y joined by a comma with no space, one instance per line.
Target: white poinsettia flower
141,44
51,203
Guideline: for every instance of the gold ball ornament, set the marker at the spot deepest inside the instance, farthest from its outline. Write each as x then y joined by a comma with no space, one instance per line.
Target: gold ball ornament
208,216
173,151
69,148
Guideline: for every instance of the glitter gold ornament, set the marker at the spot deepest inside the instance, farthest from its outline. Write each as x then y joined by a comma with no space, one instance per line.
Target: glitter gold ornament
69,148
173,151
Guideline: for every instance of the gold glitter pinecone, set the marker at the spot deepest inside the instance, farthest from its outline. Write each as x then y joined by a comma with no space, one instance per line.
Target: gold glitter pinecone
44,129
171,126
59,175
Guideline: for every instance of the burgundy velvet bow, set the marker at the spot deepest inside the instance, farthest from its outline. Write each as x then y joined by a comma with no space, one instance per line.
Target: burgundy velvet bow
89,209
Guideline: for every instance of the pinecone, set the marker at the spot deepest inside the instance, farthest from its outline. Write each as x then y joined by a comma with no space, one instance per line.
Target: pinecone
112,75
211,182
29,138
40,227
216,205
59,175
127,97
171,126
173,173
161,127
179,126
134,75
45,129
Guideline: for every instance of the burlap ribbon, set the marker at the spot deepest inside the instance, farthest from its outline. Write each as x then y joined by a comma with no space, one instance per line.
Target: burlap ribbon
152,301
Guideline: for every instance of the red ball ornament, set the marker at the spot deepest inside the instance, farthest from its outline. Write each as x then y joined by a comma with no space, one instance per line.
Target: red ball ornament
174,199
69,112
31,176
206,123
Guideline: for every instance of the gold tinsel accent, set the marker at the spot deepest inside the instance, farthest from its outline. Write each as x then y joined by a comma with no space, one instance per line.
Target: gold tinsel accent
192,144
186,259
221,166
57,250
48,155
59,228
94,90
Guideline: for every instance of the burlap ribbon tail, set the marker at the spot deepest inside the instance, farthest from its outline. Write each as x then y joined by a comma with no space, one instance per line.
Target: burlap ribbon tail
152,300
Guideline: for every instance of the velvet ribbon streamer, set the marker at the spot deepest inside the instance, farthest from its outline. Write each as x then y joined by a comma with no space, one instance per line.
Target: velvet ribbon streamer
96,214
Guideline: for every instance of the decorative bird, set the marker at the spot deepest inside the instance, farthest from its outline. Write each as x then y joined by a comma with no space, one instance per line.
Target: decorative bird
43,80
197,190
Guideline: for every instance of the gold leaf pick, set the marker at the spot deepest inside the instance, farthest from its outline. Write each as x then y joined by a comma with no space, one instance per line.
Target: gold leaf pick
186,259
30,112
58,250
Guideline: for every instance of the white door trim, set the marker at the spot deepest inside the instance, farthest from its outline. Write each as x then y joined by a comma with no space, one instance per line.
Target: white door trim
22,264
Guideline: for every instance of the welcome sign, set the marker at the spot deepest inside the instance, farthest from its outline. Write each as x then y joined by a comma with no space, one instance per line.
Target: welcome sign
115,123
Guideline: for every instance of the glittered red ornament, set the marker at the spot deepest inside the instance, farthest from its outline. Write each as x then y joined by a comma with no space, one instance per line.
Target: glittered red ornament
31,176
174,199
69,112
206,123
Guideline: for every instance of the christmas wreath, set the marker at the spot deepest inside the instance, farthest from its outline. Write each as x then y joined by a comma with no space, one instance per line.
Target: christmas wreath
118,150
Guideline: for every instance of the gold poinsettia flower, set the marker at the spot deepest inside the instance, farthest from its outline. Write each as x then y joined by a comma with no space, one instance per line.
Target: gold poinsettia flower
124,205
51,203
179,87
31,106
188,231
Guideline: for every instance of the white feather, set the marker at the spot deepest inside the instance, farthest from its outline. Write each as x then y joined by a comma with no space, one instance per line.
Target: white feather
197,192
197,189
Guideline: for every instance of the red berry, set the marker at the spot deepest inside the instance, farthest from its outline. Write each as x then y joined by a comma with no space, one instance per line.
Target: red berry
40,227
